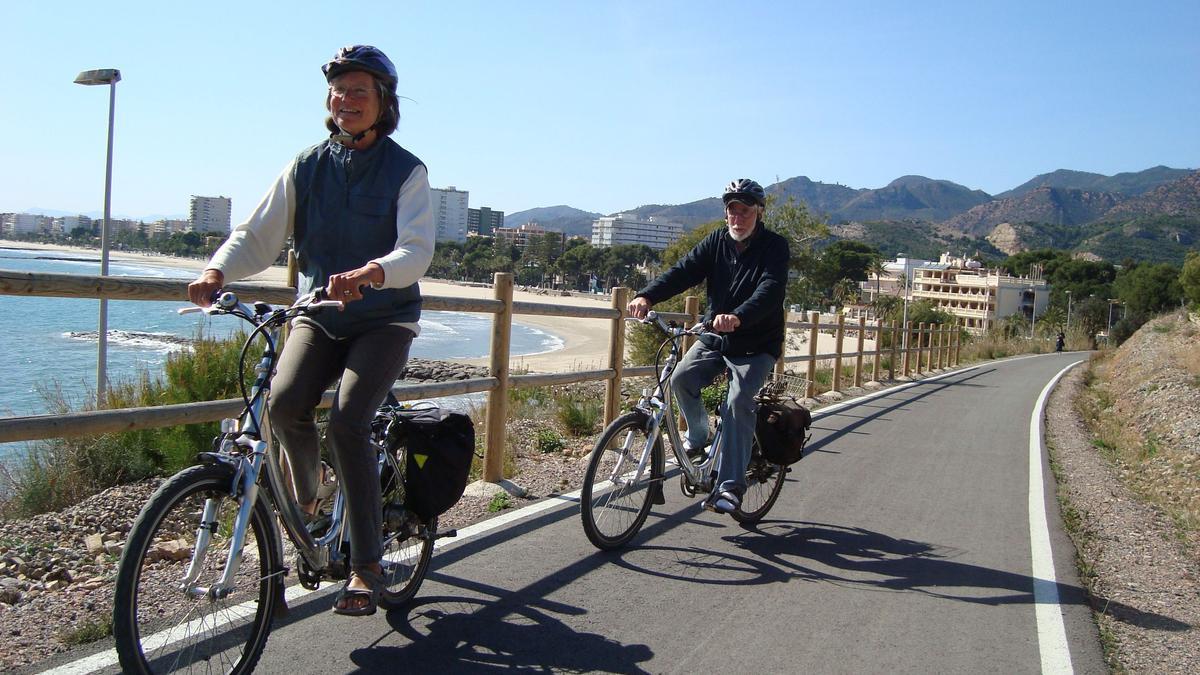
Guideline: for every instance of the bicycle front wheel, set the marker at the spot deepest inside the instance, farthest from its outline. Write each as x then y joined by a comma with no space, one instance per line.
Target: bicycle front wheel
615,501
764,482
163,624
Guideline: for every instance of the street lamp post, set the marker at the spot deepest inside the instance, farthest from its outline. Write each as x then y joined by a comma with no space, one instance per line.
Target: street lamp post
1068,311
109,76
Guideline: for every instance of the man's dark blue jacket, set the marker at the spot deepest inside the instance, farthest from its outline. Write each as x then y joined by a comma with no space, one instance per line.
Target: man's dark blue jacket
750,285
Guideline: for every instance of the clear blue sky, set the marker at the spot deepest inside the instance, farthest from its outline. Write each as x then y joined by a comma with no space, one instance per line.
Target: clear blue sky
599,105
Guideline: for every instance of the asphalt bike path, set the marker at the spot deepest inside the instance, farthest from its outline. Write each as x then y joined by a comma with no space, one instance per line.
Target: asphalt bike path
902,542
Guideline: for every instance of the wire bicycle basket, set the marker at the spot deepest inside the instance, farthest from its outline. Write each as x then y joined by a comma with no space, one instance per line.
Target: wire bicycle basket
782,386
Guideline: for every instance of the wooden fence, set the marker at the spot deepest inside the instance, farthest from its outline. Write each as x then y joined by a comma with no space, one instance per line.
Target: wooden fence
928,348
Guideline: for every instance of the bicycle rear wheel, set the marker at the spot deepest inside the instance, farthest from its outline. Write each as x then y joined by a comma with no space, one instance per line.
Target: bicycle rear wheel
613,505
764,482
161,627
407,545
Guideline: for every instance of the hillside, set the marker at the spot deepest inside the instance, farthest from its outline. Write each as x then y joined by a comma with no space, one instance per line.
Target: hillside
1151,215
1129,184
562,218
1056,206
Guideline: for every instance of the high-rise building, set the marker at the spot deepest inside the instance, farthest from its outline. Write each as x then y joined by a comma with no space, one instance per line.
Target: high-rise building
210,214
627,228
484,221
450,213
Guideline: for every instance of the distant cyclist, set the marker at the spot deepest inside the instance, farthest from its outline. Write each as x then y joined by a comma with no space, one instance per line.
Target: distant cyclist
745,266
359,210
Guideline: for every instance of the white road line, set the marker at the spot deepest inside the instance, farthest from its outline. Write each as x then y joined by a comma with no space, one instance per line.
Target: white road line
1052,632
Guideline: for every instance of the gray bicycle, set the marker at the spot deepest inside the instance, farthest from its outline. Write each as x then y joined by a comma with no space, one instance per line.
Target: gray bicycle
627,467
201,577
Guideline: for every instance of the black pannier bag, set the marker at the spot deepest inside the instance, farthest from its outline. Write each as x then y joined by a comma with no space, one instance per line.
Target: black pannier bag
440,445
782,430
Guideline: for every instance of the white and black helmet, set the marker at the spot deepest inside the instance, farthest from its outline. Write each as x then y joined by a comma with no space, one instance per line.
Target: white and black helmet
745,190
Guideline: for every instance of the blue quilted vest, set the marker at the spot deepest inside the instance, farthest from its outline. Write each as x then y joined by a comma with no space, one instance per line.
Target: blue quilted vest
345,217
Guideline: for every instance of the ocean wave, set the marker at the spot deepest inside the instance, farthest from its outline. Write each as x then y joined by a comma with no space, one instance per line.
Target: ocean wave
132,338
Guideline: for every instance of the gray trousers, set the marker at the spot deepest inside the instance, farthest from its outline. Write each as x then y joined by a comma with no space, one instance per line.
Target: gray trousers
696,370
367,366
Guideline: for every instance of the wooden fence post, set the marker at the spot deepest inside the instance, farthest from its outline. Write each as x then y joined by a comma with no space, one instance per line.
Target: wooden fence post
957,345
691,307
858,360
813,336
497,409
837,364
878,350
921,330
616,354
895,344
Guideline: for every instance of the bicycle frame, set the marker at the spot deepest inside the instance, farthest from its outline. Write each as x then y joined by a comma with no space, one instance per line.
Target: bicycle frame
246,447
656,404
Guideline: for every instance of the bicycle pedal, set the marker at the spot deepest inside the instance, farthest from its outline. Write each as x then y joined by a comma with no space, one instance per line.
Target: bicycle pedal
448,533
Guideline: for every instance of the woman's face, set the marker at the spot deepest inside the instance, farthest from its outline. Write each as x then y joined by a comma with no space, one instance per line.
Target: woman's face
354,101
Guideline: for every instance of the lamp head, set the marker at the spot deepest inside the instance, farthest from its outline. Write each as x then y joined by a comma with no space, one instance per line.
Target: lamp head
101,76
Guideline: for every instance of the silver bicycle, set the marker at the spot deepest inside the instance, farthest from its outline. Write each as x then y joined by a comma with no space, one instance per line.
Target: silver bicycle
202,574
627,467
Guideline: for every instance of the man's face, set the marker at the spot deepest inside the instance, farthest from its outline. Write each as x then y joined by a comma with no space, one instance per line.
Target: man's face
741,218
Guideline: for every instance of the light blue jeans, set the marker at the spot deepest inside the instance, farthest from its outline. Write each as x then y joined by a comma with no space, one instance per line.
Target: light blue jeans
696,370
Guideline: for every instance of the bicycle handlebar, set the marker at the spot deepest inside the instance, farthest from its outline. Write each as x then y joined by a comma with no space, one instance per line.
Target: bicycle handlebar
653,318
227,302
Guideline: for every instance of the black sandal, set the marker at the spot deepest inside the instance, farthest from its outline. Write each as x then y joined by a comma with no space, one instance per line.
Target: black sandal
376,586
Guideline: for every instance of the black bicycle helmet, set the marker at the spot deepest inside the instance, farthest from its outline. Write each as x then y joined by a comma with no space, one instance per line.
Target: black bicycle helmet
744,189
365,58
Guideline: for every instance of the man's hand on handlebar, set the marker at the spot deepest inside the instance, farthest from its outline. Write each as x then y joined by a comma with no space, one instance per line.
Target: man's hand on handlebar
205,287
638,307
726,323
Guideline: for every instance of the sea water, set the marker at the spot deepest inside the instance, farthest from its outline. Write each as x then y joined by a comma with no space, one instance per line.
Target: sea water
49,344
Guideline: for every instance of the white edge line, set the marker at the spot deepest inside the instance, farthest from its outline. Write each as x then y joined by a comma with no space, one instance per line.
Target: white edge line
1052,633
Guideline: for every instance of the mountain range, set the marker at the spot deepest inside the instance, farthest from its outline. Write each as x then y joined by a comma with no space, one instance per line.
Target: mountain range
922,216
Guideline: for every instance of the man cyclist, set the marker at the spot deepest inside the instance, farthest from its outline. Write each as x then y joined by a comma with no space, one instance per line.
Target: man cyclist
745,267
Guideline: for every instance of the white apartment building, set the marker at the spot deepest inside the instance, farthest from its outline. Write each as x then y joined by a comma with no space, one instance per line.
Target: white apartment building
210,214
25,223
978,296
450,213
627,228
519,236
167,227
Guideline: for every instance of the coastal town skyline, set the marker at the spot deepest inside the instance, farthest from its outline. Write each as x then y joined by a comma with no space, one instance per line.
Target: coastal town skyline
605,107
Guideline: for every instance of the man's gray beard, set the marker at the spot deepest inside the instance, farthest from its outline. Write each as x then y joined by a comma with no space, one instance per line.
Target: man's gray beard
735,236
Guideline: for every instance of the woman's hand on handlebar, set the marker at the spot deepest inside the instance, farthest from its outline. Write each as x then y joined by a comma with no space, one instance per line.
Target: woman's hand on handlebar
725,323
205,287
638,307
347,286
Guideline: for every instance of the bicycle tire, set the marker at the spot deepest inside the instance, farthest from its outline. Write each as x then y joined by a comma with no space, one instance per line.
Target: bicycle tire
160,629
613,514
406,557
764,482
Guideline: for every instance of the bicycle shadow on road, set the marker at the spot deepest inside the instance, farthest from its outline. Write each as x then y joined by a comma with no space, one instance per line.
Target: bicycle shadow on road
866,559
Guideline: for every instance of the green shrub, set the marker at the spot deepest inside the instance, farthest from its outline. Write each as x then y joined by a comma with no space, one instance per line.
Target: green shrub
500,501
579,417
548,440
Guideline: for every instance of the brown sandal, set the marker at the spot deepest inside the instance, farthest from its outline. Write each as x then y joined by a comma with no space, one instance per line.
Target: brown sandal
376,587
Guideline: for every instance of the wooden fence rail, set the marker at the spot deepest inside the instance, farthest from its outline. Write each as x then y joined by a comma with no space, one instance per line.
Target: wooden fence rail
495,385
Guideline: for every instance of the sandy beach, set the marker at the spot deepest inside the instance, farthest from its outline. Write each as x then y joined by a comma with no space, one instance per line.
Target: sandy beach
585,341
